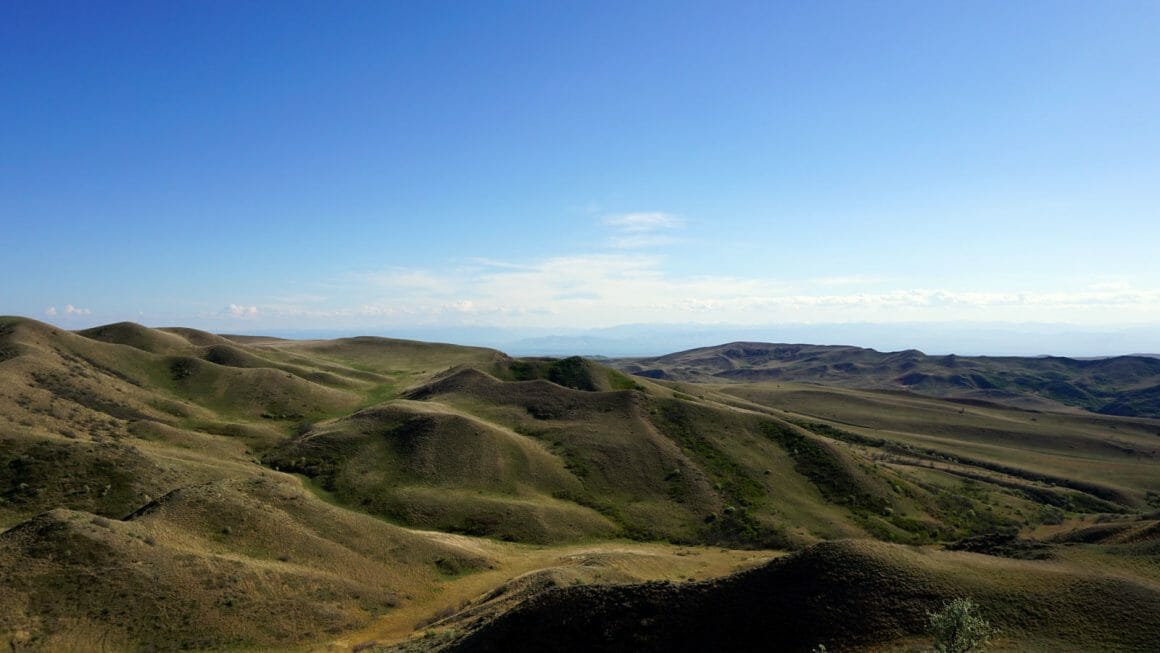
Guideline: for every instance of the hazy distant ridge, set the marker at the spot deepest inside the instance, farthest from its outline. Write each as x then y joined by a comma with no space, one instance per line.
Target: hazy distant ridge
1120,385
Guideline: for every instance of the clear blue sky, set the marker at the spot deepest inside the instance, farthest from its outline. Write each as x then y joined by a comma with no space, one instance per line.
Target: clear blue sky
250,166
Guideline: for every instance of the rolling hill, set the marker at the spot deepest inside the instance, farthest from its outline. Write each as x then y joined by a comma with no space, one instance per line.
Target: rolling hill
844,594
1122,385
168,489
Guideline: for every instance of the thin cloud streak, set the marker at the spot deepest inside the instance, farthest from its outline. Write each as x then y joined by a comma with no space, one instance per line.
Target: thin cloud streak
642,230
641,241
607,289
643,222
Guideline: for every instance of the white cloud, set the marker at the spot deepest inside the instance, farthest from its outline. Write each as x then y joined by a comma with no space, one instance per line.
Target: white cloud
641,230
643,222
237,310
50,311
493,263
630,285
593,290
69,309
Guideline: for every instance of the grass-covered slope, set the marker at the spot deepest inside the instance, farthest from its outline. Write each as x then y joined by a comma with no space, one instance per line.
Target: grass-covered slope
133,512
205,567
845,595
431,466
1123,385
743,465
227,477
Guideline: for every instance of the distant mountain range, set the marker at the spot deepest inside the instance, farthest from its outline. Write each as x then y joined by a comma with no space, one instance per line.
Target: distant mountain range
967,339
1122,385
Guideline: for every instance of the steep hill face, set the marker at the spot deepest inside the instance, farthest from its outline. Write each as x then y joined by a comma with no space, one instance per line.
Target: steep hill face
1124,385
267,493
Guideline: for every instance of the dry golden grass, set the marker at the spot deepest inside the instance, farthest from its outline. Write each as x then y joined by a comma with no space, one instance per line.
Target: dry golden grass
848,595
520,567
139,512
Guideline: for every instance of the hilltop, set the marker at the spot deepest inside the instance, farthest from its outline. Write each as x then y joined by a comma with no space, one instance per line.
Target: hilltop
847,595
326,494
1120,385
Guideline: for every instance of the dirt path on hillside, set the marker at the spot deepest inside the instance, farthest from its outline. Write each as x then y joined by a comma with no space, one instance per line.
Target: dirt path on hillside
620,561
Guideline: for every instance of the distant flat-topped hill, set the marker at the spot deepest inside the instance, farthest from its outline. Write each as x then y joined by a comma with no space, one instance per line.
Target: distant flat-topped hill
1122,385
169,488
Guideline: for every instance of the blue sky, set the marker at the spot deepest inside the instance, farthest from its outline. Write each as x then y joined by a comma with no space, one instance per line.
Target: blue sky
379,166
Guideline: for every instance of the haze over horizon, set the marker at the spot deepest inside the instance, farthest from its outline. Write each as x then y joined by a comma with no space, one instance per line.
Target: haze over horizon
519,171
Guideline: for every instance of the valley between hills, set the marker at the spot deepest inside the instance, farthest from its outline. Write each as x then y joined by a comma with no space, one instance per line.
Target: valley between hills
172,489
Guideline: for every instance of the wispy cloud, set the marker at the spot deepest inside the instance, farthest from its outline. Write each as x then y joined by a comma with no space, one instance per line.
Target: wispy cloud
630,284
618,288
642,230
302,298
411,280
641,241
643,222
848,280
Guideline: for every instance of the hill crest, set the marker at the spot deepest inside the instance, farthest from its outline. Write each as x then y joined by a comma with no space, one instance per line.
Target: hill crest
1121,385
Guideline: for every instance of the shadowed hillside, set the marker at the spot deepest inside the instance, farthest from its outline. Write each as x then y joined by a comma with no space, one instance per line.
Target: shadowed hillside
844,594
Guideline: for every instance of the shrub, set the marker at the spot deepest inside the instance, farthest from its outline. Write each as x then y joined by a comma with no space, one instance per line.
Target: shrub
958,628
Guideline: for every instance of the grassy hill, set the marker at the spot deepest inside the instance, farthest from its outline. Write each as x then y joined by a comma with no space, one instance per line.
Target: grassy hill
846,595
1123,385
323,495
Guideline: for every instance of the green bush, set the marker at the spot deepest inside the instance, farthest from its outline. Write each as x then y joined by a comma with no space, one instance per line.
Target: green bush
958,628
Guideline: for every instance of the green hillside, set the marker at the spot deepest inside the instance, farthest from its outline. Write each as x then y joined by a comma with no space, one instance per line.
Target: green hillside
1122,385
324,495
